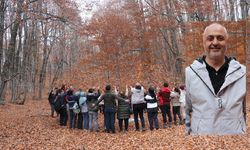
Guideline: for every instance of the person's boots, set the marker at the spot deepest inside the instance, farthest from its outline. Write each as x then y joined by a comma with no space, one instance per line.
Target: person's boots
164,125
121,128
170,124
182,122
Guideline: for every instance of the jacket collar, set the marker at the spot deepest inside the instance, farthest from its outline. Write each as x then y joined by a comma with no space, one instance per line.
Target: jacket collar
237,70
199,67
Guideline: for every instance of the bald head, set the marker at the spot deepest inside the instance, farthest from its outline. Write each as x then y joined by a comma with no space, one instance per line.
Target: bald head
215,43
215,26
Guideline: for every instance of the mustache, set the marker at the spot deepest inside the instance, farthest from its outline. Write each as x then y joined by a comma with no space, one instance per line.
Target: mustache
214,46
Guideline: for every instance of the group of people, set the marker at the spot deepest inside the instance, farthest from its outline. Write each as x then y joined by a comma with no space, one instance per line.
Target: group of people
83,107
215,96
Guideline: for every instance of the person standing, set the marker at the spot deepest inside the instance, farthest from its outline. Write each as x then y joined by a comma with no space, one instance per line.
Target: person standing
109,99
71,100
139,104
175,99
84,110
152,109
51,98
215,88
164,102
92,99
123,111
60,106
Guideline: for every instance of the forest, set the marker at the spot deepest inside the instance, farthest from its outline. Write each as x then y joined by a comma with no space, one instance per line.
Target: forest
47,43
91,43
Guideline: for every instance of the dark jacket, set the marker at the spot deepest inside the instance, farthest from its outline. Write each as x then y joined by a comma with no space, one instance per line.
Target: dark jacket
91,101
51,97
109,99
71,100
123,111
60,102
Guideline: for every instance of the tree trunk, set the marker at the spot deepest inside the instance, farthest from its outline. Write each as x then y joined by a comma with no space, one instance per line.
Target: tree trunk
26,57
45,59
60,64
244,8
2,11
8,64
216,10
232,13
170,36
15,82
34,58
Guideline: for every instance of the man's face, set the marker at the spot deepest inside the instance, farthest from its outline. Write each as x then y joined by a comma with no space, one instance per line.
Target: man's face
214,41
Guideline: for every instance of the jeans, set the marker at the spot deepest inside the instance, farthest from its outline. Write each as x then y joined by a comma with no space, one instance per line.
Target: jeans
72,119
85,116
153,120
93,117
110,119
104,119
138,110
165,109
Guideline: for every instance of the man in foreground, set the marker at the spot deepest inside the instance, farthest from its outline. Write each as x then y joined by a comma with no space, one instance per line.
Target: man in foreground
216,88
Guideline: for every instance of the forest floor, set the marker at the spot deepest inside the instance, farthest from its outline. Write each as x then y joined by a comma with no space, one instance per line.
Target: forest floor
30,126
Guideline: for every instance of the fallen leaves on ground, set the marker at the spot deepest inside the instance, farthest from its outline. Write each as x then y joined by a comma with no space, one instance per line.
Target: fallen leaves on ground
30,126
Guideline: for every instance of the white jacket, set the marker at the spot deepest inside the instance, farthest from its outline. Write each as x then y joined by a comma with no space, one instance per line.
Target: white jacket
182,96
220,113
175,98
137,96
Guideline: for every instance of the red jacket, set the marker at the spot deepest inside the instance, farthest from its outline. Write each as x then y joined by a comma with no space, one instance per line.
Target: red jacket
164,96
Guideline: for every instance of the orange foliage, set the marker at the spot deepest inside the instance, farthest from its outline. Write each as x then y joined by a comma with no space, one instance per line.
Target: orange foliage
236,41
127,47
